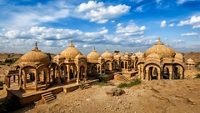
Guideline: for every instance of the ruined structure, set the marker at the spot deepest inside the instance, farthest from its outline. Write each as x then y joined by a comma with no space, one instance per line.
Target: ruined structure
36,71
161,62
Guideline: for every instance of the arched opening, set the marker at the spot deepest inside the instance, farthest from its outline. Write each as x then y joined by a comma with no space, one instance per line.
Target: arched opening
166,73
82,73
177,72
108,66
122,64
152,72
115,65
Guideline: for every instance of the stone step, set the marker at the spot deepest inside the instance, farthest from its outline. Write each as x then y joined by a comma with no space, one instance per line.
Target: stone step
48,97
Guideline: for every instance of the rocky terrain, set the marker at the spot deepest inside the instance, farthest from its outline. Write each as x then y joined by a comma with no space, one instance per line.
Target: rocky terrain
175,96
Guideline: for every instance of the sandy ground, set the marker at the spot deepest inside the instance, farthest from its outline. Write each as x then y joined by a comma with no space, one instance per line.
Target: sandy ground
175,96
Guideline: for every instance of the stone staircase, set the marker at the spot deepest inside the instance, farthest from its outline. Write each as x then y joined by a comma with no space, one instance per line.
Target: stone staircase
48,97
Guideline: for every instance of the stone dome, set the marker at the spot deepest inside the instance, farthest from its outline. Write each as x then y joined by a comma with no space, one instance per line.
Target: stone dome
125,56
93,56
139,54
154,56
107,55
34,56
117,56
70,52
162,50
190,61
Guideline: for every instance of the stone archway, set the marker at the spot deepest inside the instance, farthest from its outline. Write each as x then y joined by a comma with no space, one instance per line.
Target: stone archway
178,71
152,72
108,65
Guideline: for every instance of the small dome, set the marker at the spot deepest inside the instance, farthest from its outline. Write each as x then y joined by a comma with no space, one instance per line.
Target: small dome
154,56
93,56
125,56
190,61
35,56
107,55
161,49
139,54
70,52
117,56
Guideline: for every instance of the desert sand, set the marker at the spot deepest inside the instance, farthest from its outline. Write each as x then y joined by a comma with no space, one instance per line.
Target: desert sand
165,96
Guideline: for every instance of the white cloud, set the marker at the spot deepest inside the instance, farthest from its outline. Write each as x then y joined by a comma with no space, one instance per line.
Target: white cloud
19,16
55,40
99,12
163,24
171,25
194,21
89,6
130,29
190,34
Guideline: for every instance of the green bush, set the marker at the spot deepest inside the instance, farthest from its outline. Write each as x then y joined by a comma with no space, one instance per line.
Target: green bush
130,84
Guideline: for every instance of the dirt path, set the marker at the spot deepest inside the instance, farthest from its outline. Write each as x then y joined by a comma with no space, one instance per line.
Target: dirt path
177,96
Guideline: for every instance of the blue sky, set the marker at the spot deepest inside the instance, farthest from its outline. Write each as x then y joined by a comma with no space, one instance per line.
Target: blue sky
125,25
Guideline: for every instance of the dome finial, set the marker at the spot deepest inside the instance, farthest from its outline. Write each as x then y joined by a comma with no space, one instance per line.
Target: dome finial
158,41
94,49
36,46
71,44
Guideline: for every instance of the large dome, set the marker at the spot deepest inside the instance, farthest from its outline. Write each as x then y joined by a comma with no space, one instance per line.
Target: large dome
107,55
70,52
162,50
34,56
93,56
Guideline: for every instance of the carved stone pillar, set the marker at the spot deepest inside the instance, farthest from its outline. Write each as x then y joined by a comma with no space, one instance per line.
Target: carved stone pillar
170,72
147,74
159,74
110,66
20,78
25,79
78,72
181,73
36,78
100,68
142,73
68,73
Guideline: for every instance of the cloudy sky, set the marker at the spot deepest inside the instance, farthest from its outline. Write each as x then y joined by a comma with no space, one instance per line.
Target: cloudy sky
125,25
